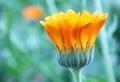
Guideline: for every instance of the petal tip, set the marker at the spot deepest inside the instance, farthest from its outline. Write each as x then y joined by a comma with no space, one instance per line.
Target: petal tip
70,11
42,22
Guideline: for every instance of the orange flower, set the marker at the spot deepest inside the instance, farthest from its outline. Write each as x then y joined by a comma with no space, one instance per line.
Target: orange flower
71,30
32,13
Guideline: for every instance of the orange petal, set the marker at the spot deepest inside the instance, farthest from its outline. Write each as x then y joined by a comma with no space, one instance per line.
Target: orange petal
84,35
96,26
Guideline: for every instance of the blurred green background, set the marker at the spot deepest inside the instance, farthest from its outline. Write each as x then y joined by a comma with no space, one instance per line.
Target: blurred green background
28,55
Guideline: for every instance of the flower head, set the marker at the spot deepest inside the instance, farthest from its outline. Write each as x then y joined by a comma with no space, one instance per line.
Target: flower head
74,33
32,13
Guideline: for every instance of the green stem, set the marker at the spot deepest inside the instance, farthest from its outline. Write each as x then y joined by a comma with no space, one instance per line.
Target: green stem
76,73
105,48
84,4
51,5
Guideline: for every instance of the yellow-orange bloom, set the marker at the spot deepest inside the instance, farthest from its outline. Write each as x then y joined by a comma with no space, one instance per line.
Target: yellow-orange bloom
71,30
32,13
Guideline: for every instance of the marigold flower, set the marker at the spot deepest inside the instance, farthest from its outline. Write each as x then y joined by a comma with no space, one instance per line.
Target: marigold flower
74,35
32,13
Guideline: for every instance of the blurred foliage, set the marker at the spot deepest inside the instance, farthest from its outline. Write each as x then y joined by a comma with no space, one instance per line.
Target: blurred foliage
27,54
